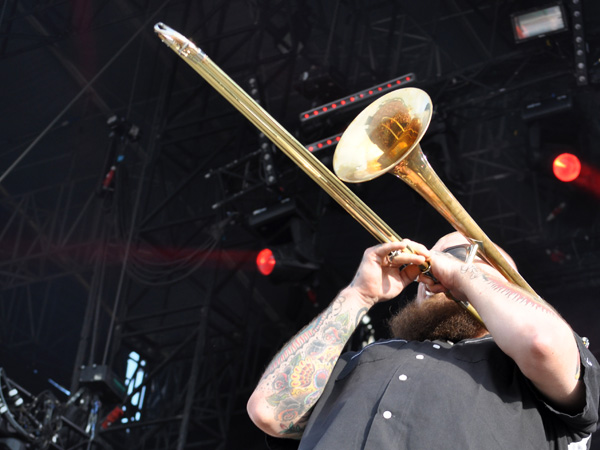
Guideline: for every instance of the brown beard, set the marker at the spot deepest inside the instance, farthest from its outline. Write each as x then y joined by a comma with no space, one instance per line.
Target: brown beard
435,319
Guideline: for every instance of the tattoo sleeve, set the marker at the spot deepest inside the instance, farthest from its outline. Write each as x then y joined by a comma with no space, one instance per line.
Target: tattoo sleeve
296,377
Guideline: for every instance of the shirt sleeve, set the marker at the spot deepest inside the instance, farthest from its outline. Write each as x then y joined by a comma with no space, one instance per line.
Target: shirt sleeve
586,420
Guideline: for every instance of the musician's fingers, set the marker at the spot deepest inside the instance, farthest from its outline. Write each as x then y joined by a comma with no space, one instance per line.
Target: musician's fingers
400,256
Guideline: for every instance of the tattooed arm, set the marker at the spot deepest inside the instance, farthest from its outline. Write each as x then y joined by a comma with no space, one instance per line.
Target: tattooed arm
295,379
526,328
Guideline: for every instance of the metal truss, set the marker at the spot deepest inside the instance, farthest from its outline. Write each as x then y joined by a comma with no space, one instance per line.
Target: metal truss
185,313
157,259
159,268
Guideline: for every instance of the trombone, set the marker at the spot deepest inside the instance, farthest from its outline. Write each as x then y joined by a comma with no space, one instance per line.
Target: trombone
383,138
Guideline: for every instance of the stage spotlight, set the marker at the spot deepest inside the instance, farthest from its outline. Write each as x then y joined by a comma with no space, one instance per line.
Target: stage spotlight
579,173
538,22
265,261
284,264
566,167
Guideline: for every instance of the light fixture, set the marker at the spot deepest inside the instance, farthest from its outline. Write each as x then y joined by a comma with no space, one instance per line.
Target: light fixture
322,144
579,43
284,264
566,167
538,22
265,261
358,97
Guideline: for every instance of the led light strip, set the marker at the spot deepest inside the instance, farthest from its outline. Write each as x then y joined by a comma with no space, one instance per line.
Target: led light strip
357,97
330,141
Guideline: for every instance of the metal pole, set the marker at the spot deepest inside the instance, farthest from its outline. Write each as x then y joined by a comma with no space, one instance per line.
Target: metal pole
198,350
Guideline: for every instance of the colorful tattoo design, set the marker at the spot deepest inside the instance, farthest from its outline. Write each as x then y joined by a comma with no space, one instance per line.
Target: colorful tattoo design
299,372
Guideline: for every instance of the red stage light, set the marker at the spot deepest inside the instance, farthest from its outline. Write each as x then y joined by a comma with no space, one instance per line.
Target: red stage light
324,143
566,167
265,261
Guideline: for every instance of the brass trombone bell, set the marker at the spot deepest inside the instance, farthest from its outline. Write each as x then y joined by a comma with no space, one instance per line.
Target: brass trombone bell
382,135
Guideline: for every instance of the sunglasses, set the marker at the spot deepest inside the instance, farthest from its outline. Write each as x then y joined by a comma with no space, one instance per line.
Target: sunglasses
464,252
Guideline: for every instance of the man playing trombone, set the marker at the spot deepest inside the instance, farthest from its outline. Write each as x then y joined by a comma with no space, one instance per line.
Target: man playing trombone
444,380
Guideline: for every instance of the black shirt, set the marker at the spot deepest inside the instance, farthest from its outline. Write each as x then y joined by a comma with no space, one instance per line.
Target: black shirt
436,395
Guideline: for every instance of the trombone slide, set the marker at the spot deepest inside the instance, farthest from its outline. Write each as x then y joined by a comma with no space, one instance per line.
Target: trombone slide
316,170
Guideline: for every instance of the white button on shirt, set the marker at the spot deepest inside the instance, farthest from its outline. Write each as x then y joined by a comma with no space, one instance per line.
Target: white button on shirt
387,415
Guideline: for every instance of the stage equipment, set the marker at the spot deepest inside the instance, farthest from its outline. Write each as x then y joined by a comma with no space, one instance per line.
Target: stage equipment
569,168
287,229
265,261
269,219
538,22
41,422
579,44
330,141
103,380
566,167
549,105
357,98
390,128
284,264
267,163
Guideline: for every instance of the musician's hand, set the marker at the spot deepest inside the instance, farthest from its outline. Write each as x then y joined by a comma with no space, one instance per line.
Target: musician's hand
452,274
378,278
